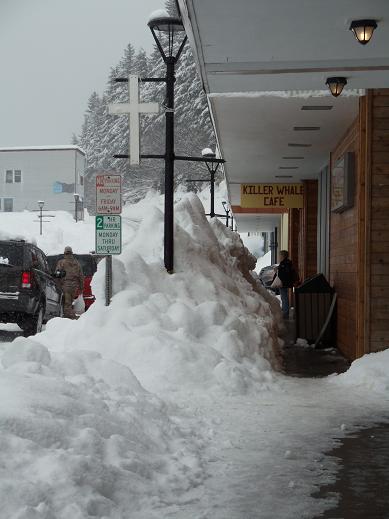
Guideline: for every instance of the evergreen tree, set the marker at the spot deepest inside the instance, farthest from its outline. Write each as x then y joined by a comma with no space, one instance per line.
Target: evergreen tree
103,135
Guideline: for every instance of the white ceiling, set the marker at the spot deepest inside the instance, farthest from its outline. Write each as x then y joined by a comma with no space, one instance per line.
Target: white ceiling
249,51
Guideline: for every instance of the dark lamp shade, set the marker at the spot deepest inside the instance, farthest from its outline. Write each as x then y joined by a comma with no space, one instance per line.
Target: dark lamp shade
336,85
363,30
166,24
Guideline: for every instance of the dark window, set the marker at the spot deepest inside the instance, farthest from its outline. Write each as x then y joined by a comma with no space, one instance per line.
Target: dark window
41,262
9,176
17,176
11,254
8,205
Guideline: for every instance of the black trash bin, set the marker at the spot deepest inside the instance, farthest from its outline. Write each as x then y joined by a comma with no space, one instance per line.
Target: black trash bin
313,300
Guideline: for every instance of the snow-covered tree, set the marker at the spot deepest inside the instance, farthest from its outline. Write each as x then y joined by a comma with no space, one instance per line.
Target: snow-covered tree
103,135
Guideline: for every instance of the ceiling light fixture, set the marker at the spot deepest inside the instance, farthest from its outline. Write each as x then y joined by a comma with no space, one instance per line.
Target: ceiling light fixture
336,85
283,176
293,158
363,30
298,145
288,167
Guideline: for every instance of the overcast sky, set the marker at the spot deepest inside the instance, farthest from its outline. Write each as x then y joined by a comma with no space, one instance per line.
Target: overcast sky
53,54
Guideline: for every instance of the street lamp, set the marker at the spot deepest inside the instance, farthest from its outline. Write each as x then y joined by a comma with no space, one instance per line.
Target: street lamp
224,204
41,203
76,199
169,35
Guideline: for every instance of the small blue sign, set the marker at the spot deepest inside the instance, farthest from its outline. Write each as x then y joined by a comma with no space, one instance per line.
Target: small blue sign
57,187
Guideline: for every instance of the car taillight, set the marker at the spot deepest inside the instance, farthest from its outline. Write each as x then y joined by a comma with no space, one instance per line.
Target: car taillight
26,279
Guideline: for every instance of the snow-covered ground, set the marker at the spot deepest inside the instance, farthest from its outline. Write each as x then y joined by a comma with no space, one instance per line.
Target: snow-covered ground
167,404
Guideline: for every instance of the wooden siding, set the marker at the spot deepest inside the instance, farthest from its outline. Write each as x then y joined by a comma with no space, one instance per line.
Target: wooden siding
378,247
308,234
344,253
293,235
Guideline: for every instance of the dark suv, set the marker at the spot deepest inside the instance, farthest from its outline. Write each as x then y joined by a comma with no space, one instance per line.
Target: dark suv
29,295
88,264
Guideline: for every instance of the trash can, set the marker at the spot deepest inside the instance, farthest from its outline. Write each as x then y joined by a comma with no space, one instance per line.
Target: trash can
314,299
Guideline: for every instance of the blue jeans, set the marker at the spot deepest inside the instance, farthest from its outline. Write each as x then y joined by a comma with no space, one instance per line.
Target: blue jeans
284,292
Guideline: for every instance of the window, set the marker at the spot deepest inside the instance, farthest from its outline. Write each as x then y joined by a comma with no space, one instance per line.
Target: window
8,205
13,176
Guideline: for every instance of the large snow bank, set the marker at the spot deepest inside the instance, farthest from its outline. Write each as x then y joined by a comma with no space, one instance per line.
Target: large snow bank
369,372
80,434
80,438
203,327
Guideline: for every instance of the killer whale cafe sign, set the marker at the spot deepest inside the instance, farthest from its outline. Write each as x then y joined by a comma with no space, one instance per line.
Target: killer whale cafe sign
272,196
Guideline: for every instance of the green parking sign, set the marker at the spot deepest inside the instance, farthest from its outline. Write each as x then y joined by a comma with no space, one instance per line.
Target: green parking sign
108,234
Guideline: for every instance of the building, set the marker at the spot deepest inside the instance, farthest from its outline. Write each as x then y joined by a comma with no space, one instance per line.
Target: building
49,173
265,68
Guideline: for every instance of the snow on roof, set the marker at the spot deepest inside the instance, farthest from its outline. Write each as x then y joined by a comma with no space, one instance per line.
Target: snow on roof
303,94
44,148
157,14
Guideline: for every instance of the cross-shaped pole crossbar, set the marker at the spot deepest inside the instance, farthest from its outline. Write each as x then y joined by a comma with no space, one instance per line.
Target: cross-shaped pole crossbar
133,109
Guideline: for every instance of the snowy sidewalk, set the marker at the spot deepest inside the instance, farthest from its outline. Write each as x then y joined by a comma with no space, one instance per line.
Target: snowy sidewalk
266,456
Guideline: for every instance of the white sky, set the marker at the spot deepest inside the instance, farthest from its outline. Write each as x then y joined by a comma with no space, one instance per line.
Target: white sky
53,54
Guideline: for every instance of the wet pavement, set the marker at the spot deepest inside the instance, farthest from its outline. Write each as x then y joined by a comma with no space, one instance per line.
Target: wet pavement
306,361
362,484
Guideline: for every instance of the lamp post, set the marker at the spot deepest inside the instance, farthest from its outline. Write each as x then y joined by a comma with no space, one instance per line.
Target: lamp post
76,199
41,203
209,157
169,35
224,204
165,30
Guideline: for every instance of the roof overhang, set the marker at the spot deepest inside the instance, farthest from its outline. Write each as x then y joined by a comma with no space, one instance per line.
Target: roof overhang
262,62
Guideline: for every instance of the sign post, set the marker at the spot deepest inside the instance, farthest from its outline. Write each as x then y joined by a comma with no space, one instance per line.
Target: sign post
108,224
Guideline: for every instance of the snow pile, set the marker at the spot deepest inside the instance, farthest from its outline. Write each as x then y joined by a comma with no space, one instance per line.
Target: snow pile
81,433
204,327
80,437
369,372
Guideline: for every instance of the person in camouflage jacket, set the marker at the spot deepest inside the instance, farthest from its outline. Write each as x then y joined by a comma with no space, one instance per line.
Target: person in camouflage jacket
72,283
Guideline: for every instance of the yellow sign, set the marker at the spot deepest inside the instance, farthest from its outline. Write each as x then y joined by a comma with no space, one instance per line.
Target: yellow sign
267,196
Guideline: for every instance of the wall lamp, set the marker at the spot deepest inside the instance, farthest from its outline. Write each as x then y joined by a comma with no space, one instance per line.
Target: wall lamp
363,30
336,85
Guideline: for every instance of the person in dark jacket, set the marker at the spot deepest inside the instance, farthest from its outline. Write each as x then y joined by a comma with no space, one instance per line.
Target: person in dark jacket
287,275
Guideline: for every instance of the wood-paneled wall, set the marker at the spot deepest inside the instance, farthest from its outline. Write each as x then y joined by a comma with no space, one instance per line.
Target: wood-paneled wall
378,191
344,253
308,230
359,237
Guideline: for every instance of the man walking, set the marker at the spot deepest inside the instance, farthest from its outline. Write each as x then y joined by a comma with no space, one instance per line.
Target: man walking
287,275
72,282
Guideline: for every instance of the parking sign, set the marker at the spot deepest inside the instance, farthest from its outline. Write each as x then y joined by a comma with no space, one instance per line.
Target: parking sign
108,234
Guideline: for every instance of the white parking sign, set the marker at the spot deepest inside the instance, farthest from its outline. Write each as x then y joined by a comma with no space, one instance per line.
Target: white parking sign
108,234
108,194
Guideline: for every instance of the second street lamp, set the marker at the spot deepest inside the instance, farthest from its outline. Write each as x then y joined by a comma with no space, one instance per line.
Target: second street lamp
169,35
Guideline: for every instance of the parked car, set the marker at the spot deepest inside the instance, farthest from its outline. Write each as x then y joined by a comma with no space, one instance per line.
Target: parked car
266,275
29,295
88,264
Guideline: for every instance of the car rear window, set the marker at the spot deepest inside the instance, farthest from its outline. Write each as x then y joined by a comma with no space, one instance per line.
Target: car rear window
11,254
